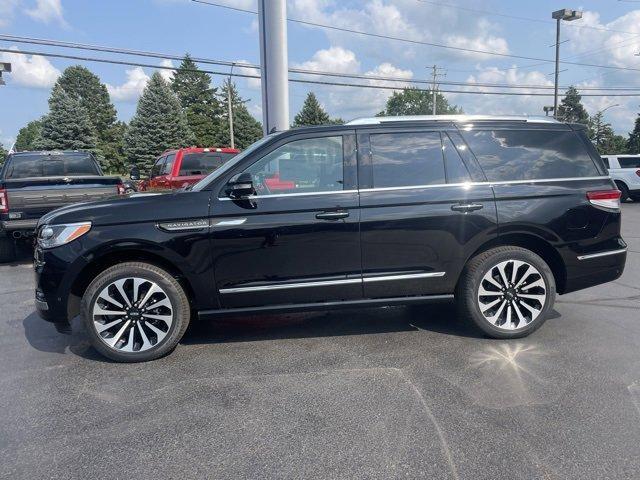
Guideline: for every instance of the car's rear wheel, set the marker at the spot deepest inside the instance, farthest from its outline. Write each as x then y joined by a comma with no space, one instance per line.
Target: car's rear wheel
135,312
507,292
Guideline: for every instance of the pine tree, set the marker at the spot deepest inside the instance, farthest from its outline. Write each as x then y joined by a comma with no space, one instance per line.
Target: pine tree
67,126
199,102
603,136
28,136
113,150
246,129
158,124
3,154
80,83
633,144
412,101
311,113
571,109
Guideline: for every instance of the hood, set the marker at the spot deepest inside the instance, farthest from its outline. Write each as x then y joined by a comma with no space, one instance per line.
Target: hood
138,208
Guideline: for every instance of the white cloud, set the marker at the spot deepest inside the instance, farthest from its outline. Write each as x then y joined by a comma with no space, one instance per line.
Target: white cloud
132,88
252,83
7,10
167,74
334,59
30,70
47,11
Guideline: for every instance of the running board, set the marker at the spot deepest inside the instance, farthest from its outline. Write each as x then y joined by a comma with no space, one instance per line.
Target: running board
306,307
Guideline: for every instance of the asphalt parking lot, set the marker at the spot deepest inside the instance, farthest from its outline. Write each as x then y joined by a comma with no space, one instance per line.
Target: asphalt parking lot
376,393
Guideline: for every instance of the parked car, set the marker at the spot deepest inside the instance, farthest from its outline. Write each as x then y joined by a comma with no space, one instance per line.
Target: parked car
34,183
501,213
625,171
176,169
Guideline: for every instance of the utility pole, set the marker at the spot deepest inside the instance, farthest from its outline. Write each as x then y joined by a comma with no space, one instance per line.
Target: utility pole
230,108
272,18
4,67
434,76
568,15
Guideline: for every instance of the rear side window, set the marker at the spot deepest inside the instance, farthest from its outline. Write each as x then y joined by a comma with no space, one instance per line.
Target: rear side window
605,160
25,166
407,159
629,162
530,154
203,163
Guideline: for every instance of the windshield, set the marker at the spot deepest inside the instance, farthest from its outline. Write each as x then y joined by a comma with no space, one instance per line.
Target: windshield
231,163
51,165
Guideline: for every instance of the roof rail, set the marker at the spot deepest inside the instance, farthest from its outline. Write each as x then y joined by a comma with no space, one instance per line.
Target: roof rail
451,118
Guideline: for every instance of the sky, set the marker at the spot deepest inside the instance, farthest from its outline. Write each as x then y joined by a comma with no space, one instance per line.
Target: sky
607,35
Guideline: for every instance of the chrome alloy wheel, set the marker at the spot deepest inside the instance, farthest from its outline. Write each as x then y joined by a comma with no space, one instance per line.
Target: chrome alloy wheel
132,314
512,294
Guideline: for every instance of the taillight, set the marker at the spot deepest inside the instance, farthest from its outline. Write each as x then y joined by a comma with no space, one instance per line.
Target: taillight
120,188
4,201
605,198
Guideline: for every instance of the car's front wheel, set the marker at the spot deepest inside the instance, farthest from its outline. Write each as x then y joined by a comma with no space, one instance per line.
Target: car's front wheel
135,312
507,292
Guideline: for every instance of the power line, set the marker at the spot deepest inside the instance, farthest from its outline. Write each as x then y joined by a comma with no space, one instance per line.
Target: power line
420,42
169,56
296,80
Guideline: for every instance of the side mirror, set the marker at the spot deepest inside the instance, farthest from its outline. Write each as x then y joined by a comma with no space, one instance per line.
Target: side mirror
241,186
135,173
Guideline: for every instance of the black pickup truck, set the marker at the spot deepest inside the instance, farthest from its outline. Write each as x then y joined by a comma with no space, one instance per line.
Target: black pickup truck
34,183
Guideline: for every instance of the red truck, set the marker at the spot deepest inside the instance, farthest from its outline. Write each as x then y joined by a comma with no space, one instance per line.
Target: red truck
180,168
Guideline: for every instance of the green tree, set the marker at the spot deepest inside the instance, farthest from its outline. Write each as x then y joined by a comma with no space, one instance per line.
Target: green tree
28,136
571,109
311,113
158,124
603,136
115,159
3,154
67,126
246,129
412,101
633,144
199,102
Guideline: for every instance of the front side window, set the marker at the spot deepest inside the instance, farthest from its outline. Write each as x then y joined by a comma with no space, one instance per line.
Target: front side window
157,167
629,162
309,165
507,155
407,159
168,166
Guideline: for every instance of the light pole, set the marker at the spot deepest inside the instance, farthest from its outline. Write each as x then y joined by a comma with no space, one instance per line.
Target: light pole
568,15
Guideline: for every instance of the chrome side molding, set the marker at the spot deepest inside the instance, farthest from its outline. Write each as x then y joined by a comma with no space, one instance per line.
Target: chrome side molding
602,254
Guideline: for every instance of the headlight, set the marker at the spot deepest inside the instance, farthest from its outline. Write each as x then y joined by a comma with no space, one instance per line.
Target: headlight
51,236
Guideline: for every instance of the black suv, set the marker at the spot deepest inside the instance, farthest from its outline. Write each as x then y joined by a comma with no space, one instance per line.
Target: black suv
499,212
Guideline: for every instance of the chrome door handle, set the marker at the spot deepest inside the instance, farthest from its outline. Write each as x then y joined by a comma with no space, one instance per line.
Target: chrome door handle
466,207
332,215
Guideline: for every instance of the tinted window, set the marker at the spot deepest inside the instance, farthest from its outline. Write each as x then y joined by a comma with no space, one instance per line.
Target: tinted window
157,167
54,165
530,154
629,162
203,163
168,166
606,162
311,165
406,159
456,171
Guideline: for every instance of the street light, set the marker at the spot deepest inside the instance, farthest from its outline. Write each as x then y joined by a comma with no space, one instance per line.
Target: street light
568,15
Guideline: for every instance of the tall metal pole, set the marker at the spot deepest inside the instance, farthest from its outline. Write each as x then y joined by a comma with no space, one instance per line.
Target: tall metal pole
272,17
555,88
433,89
230,109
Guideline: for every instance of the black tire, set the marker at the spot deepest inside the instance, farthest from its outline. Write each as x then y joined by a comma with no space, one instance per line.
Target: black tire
7,250
472,278
624,197
181,310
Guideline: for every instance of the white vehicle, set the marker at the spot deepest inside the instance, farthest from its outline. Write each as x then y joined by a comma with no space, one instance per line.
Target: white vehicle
625,171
